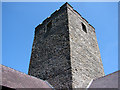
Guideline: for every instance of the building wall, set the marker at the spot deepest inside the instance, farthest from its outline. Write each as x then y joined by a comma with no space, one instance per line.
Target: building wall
85,55
64,54
50,58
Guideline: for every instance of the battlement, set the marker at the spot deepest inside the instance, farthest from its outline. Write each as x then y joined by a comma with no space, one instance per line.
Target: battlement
60,10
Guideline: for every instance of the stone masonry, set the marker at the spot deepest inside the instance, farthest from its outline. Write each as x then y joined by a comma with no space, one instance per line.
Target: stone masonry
65,50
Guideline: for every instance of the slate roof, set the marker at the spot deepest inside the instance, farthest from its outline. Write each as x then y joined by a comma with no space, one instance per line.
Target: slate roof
15,79
108,81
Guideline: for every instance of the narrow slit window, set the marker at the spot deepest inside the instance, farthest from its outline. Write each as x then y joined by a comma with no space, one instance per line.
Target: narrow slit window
49,25
84,28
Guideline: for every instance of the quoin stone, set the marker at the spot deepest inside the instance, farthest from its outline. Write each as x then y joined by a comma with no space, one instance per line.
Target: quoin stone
65,50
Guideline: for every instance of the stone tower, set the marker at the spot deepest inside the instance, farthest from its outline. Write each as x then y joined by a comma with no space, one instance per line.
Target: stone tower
65,50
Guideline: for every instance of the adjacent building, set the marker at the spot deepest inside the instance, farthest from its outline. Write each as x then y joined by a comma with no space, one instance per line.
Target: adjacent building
65,54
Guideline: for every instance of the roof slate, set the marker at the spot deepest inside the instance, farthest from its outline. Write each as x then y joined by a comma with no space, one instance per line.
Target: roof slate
15,79
108,81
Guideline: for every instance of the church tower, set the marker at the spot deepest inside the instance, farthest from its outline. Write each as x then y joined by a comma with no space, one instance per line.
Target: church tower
65,50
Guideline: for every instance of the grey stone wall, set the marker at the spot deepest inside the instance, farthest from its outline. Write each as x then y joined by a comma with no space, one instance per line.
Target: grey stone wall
50,58
85,55
64,54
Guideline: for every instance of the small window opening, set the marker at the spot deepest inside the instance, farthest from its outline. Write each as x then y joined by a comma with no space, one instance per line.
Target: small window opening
84,28
49,25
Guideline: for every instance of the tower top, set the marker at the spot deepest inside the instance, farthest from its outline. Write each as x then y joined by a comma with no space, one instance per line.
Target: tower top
66,5
54,14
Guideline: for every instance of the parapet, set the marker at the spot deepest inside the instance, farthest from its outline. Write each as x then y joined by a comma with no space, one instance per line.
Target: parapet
61,9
